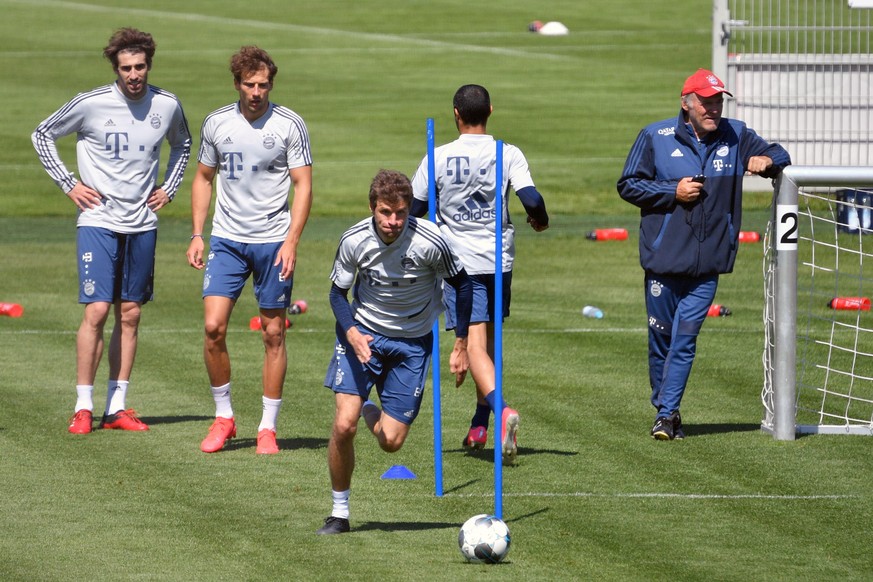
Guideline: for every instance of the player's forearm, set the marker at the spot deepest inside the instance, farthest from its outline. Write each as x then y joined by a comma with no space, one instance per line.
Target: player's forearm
463,287
534,204
47,151
301,205
341,308
201,195
176,165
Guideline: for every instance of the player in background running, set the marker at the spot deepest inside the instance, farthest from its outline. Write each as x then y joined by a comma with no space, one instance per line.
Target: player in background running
465,196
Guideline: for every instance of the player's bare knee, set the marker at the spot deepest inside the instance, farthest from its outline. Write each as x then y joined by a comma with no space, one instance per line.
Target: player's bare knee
391,443
215,331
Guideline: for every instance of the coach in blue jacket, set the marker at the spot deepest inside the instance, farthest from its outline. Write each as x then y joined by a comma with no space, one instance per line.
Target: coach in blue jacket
686,176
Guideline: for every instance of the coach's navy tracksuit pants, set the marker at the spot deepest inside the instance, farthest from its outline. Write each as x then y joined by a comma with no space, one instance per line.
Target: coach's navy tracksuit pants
676,308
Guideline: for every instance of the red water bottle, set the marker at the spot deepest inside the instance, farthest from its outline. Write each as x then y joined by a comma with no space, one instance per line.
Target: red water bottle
607,234
716,310
850,303
11,309
749,236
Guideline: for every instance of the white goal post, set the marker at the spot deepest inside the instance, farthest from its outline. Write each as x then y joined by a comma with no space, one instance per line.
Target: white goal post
818,361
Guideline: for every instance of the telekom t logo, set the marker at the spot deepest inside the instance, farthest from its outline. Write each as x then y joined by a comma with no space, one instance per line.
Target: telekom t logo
116,142
461,165
232,164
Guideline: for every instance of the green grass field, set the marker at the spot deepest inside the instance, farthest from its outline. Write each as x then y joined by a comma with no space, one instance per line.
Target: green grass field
592,496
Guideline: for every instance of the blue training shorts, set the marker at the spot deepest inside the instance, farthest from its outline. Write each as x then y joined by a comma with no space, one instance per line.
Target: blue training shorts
114,265
483,306
230,263
398,369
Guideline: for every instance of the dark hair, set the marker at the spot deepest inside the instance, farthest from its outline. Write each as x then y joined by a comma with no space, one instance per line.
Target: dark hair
130,40
390,187
250,59
473,104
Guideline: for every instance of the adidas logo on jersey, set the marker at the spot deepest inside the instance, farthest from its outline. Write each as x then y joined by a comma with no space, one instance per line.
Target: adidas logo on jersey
677,154
475,208
227,141
109,123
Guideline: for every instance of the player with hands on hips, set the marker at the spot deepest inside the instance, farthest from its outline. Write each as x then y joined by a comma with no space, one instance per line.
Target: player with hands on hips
120,130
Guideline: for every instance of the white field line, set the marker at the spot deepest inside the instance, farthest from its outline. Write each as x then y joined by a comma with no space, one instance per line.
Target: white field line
285,27
689,496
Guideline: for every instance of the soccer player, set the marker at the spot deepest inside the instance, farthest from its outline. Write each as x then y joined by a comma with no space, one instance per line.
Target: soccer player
120,129
258,151
384,337
466,195
686,176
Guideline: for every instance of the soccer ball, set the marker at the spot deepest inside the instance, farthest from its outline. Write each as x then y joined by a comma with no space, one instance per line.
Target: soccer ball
484,539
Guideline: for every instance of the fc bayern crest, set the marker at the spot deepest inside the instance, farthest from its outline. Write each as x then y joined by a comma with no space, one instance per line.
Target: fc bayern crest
407,262
655,289
155,121
269,142
88,287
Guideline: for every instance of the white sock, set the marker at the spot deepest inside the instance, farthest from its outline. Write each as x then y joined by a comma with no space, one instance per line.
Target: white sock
340,503
84,397
116,395
271,413
221,395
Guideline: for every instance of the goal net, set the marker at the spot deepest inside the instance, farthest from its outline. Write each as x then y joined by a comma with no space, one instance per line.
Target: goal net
818,271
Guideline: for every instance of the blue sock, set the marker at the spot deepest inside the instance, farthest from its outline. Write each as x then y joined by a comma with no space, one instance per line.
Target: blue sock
490,399
480,418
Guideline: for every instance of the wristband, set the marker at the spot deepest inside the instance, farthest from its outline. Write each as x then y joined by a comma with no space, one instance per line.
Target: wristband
193,236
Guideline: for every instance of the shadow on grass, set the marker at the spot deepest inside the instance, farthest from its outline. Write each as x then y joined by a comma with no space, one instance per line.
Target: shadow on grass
150,420
487,454
426,525
284,444
404,526
695,430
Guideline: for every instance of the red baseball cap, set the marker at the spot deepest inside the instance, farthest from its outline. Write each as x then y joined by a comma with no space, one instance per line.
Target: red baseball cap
705,84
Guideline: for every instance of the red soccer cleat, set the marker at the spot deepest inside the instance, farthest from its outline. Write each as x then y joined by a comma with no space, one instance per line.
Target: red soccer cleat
509,431
267,444
80,422
476,438
220,432
123,420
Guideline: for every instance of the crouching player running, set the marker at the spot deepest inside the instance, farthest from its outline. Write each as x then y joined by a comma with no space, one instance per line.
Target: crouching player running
384,338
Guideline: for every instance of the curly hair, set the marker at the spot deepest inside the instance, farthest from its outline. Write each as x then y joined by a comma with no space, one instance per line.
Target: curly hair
130,40
250,59
390,187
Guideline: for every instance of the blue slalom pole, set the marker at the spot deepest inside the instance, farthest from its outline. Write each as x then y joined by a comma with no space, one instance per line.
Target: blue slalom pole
435,355
498,329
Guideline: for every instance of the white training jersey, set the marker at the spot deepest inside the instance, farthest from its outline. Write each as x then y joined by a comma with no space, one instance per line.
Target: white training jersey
398,289
466,195
118,152
253,161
